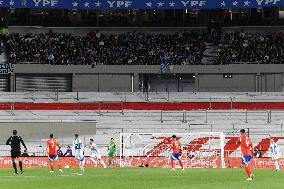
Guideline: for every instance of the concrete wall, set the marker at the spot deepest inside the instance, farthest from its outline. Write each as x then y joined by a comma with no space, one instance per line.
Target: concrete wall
216,83
102,82
85,82
80,31
104,78
270,82
114,82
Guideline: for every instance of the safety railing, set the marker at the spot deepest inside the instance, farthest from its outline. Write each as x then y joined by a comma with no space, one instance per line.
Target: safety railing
153,96
100,110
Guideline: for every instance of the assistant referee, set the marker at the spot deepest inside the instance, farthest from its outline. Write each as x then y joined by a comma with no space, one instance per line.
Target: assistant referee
15,143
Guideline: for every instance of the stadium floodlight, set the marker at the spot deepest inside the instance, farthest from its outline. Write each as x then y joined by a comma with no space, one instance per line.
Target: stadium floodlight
200,150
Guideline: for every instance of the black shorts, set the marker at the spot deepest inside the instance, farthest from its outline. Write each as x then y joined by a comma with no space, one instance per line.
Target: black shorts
16,153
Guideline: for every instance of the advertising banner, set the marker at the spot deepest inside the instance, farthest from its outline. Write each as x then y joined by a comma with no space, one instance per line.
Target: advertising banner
231,162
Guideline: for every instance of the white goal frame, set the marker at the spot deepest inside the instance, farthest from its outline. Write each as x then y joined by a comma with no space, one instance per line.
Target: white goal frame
221,136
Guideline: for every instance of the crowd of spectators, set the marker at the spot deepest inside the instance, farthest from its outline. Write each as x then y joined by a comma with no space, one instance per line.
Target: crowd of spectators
242,47
144,48
99,49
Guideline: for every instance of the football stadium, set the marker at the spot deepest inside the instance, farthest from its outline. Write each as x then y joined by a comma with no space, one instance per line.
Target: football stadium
135,94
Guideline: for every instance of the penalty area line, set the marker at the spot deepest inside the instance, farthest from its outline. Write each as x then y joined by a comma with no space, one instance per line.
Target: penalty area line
74,175
16,176
77,174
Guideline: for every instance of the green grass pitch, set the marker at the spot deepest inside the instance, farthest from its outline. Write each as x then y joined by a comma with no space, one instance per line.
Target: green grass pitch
141,178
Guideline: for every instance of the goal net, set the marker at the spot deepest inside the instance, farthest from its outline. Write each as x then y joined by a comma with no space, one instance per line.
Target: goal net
199,150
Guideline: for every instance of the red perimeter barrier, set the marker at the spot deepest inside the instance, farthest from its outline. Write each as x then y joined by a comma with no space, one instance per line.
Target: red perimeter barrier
142,105
231,162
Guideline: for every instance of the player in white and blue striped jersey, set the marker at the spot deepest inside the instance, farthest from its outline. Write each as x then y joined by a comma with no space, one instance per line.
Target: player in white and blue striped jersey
96,154
274,152
78,148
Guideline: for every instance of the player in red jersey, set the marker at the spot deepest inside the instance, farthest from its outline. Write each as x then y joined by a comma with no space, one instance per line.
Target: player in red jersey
176,152
51,148
247,152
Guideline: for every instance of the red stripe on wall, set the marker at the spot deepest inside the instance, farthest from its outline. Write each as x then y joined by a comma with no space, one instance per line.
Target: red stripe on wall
143,105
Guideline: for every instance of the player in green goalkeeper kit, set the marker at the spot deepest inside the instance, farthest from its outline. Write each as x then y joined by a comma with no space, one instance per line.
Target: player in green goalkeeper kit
111,152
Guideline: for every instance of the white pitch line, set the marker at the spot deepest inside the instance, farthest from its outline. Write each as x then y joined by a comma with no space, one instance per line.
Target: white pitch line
78,174
22,176
66,175
15,176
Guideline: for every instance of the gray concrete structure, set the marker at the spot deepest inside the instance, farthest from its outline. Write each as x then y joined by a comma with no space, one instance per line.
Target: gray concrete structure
118,30
128,78
81,31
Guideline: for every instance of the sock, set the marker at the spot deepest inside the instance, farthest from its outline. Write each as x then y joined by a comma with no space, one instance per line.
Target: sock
82,168
58,165
51,167
276,165
172,164
180,163
82,163
248,171
21,165
15,167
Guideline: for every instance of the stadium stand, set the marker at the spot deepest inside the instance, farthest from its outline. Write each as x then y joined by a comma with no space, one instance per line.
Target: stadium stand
182,48
109,122
243,47
97,48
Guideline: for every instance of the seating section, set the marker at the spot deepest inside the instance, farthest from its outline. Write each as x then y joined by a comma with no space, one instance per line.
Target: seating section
98,48
260,48
145,48
110,123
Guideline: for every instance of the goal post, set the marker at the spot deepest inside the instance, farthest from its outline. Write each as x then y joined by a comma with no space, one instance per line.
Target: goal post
200,150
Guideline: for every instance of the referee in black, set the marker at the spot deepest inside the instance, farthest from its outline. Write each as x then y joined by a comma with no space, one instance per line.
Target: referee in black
15,143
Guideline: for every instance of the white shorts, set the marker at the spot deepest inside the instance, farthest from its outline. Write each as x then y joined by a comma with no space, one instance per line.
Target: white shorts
79,157
96,156
275,157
